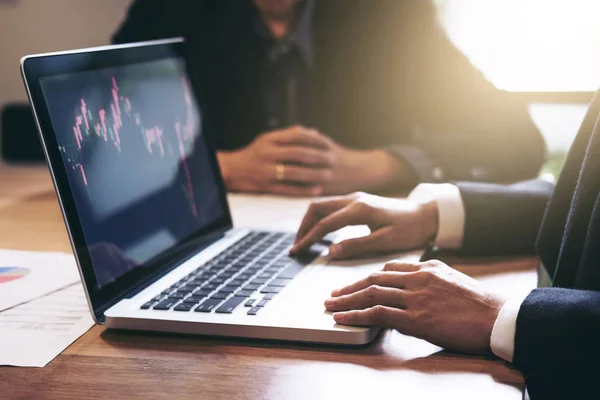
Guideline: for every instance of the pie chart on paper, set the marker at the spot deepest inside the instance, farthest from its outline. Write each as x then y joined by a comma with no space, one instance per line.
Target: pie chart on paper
8,274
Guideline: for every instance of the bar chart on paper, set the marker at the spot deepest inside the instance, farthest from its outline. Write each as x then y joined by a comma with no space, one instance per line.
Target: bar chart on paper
8,274
26,275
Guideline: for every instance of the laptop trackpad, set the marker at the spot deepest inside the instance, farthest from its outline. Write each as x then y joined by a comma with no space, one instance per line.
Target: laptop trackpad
305,296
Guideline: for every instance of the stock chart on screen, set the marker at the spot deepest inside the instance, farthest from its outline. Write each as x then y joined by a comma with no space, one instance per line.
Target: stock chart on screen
131,141
98,125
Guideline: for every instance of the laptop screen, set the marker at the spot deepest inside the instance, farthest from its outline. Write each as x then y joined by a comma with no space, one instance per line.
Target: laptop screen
130,139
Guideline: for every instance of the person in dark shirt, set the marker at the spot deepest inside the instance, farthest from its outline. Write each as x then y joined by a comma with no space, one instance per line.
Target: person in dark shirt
306,97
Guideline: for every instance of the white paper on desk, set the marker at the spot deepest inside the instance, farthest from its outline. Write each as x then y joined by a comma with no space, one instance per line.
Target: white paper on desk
33,333
40,274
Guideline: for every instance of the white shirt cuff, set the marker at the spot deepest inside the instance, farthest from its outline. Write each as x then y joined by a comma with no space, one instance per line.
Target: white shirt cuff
451,212
502,341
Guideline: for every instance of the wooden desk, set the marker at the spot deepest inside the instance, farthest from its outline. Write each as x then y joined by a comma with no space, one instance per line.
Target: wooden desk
107,364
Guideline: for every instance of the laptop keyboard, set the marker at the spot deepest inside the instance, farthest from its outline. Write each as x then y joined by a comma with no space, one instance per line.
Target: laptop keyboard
250,272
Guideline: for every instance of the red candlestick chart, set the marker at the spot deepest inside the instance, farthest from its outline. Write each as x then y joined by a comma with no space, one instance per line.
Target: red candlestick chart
105,125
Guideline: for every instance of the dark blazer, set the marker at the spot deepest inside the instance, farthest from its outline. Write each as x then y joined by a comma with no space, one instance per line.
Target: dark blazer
557,342
386,77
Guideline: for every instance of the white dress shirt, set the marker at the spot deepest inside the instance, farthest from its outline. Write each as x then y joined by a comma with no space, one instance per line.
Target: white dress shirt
451,227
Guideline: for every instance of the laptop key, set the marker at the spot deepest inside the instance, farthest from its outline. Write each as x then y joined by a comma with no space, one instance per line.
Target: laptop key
208,305
166,304
202,292
147,305
278,282
291,270
228,289
190,276
269,296
194,299
220,295
259,281
262,303
251,286
244,293
254,310
230,305
184,307
271,289
210,286
177,295
250,302
236,282
280,264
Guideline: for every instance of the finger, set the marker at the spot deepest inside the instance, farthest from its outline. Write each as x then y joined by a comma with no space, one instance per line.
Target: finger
292,190
399,266
302,136
366,298
396,280
303,155
373,243
297,174
319,209
386,317
348,215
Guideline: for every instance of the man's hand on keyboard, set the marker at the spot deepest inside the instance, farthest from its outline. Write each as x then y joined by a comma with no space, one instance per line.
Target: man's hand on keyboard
395,224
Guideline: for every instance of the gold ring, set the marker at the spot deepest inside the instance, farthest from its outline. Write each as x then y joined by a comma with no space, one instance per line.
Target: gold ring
279,172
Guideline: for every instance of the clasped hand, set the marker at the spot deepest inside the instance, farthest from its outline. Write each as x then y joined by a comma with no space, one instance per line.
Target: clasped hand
309,163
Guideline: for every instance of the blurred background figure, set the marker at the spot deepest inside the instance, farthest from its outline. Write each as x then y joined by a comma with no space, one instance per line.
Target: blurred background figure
310,97
398,96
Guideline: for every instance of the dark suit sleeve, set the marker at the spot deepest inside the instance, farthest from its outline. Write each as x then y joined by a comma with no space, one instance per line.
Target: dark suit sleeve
557,343
466,128
503,219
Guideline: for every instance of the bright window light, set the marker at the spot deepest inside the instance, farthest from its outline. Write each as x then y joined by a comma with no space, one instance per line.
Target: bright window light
529,45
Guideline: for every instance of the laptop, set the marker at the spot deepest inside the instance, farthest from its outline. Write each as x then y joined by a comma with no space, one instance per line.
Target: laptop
146,210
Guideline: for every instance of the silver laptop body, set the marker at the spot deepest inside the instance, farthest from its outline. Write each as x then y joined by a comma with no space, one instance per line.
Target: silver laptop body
146,210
